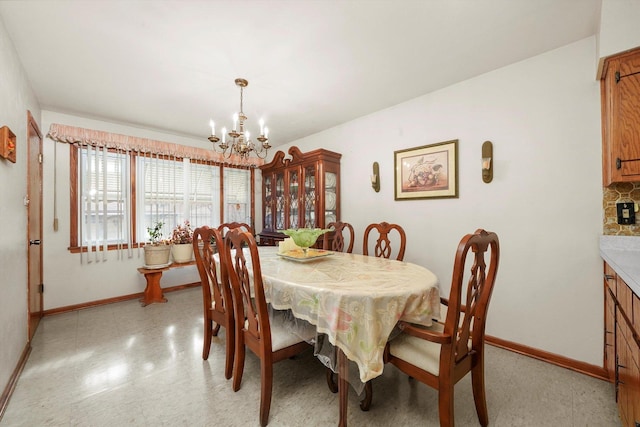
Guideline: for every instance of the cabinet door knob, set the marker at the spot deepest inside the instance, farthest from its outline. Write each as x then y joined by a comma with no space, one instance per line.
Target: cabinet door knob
618,163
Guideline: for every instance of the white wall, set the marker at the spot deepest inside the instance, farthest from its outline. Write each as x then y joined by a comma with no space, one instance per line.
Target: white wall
619,27
16,97
543,117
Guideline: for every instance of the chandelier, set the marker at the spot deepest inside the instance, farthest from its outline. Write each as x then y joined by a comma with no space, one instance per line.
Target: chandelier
240,142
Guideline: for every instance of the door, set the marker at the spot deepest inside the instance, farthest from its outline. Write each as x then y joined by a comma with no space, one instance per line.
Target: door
34,223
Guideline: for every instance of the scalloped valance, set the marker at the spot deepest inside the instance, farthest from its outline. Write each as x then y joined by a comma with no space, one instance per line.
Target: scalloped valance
96,138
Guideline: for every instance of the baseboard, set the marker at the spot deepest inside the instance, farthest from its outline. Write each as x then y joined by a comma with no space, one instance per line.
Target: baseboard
555,359
97,303
13,380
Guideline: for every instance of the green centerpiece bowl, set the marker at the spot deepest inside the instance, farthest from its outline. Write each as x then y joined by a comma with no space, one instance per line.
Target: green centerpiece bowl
305,237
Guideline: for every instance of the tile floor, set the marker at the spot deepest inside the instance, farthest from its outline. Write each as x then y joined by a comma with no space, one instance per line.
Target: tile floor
122,364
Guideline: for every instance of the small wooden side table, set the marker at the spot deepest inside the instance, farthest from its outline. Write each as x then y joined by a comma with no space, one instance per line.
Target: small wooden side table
153,291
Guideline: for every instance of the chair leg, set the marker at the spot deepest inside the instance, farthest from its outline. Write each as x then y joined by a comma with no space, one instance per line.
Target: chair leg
445,405
479,396
365,403
331,382
206,343
238,365
266,388
231,342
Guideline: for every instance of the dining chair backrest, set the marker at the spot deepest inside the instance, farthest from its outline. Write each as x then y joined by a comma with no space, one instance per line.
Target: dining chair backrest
386,233
248,289
216,293
442,355
224,227
470,298
335,240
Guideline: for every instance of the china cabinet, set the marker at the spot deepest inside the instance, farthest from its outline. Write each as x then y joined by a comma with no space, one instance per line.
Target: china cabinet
620,96
622,345
301,190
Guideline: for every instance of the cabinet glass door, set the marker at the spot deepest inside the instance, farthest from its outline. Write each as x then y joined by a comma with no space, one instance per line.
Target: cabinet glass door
280,202
330,198
310,197
294,200
268,202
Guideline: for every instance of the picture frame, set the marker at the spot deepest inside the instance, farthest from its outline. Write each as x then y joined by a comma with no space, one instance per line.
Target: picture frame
7,144
427,172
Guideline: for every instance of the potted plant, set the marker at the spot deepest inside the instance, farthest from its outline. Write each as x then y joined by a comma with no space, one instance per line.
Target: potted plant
182,243
157,251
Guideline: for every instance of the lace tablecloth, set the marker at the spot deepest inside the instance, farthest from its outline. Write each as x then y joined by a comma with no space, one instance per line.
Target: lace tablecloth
355,300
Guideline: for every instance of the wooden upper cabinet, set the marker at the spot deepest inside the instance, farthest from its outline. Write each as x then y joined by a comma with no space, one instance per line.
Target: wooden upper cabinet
299,191
620,89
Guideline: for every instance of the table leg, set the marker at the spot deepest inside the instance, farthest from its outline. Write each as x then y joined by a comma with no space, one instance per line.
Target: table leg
343,386
153,291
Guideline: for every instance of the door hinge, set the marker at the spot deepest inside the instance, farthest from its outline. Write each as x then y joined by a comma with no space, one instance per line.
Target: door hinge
40,158
41,288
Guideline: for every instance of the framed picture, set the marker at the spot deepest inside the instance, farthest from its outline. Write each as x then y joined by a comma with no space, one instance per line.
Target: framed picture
427,172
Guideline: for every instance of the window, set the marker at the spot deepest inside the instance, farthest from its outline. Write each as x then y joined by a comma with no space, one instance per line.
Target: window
237,197
120,194
204,202
102,188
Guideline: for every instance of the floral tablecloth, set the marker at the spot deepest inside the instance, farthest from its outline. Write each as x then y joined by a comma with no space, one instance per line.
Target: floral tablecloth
355,300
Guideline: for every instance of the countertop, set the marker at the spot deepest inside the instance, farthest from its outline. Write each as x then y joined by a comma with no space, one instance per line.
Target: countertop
622,253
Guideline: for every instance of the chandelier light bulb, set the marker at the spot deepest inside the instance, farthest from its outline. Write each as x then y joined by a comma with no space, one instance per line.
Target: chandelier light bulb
213,127
235,121
261,126
266,132
224,135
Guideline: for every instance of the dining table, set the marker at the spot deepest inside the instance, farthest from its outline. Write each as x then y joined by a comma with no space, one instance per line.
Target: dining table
353,300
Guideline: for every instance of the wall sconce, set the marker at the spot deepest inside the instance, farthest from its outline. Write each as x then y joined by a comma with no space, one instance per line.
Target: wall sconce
487,161
375,178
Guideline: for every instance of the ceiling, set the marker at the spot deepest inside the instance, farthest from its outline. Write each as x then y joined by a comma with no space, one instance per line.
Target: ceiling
311,64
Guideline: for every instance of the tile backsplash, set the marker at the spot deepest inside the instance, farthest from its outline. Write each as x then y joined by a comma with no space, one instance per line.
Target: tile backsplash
615,193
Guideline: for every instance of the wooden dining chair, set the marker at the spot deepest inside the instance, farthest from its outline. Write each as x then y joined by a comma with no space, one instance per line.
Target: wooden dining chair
264,331
335,240
216,293
226,226
385,232
441,355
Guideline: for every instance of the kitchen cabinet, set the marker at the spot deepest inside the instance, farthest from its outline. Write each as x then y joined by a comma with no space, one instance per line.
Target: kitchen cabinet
620,97
622,318
299,191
